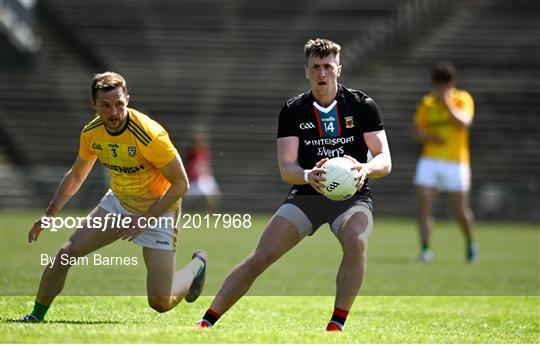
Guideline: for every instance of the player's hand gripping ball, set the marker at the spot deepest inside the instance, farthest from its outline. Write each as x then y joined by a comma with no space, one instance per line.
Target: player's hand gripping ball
340,181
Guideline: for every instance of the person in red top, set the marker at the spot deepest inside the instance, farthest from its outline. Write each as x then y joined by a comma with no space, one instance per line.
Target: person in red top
199,171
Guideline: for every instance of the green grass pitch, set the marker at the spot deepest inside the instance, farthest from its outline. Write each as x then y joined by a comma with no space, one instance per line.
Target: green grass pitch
401,301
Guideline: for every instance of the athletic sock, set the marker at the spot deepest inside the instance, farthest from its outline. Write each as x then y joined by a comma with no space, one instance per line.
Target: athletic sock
339,317
40,310
425,247
211,316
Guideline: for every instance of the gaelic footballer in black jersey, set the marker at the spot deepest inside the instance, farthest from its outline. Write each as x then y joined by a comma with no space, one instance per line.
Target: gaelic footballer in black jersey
334,131
326,122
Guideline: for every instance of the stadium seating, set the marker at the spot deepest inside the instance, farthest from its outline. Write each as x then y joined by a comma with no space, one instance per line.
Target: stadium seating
227,67
495,47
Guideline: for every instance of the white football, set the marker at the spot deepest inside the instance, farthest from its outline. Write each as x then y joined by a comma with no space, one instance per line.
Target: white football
340,183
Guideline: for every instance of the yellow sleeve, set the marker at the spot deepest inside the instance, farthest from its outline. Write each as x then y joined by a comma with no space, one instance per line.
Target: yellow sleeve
420,118
467,103
85,151
160,151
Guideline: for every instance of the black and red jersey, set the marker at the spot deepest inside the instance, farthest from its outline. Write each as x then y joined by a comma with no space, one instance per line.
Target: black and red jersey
332,131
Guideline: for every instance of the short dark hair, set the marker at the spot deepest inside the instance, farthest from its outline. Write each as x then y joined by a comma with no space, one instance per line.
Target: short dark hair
444,72
107,81
321,48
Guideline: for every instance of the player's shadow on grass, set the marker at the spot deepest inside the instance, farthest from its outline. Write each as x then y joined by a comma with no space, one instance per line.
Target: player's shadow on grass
68,322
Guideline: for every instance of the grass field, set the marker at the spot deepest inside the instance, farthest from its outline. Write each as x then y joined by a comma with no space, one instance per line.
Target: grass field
447,301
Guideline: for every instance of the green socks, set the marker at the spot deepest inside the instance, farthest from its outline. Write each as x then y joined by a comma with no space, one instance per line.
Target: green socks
39,311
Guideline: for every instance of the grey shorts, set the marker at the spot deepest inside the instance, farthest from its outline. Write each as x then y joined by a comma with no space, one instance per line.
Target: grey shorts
309,212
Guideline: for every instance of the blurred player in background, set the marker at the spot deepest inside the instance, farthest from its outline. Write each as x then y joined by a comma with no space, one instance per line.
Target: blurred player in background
327,121
148,179
199,170
442,122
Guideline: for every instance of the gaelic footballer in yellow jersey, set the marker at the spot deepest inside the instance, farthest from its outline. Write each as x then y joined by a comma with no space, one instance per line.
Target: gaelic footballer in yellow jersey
442,122
433,116
148,180
133,156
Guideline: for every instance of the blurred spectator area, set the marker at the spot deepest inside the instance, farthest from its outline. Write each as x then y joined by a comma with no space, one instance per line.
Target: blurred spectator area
227,67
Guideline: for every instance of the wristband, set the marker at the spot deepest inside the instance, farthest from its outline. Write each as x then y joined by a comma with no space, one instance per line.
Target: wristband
306,173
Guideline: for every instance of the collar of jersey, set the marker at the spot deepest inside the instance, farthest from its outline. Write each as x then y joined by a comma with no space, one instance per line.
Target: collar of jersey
115,134
339,94
327,109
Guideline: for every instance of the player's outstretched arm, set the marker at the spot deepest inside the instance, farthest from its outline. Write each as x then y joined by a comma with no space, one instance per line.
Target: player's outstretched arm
70,184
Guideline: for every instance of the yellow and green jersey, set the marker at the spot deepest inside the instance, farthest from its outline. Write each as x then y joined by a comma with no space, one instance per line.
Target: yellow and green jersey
432,115
133,156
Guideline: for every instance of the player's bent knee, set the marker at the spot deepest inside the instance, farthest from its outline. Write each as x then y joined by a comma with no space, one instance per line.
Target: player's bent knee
72,250
355,233
65,254
160,304
354,246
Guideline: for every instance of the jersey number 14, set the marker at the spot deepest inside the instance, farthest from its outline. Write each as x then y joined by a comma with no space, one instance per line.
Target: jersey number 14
329,127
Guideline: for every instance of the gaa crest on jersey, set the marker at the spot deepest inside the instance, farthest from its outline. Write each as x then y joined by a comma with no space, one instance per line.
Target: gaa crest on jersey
349,122
132,150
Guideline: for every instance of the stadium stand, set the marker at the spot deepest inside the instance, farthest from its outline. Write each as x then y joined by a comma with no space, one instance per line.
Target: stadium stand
496,48
227,67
